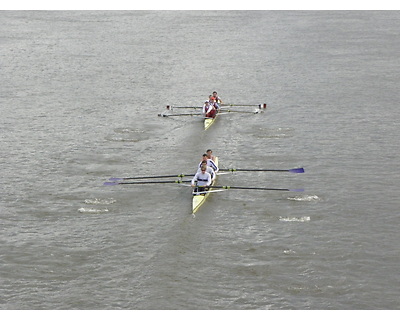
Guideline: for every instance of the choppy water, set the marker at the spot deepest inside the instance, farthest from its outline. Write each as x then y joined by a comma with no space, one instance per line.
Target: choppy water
80,96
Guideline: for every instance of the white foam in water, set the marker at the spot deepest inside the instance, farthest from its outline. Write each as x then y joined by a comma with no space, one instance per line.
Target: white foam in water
295,219
92,210
100,201
305,198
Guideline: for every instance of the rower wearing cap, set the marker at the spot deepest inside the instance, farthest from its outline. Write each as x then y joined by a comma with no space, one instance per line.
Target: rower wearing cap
210,163
209,109
201,180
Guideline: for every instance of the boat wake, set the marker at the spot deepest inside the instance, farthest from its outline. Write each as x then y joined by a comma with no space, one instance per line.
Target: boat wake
305,198
94,202
100,201
295,219
128,135
92,210
274,133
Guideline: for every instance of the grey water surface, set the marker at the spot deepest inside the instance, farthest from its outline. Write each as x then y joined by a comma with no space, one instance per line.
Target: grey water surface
80,94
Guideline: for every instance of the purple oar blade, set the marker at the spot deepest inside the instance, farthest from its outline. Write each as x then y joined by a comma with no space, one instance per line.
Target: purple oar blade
110,183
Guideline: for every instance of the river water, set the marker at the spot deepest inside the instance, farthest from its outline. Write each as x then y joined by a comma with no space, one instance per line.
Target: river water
80,95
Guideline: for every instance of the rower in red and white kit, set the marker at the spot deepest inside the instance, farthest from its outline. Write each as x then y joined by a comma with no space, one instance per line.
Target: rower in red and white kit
216,98
209,109
210,163
201,180
213,100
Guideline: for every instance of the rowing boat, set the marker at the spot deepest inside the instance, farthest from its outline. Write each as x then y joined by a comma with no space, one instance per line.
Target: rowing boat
209,121
198,200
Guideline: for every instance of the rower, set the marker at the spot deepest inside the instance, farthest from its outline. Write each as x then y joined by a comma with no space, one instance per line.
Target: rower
218,100
210,163
213,100
201,181
209,109
210,155
209,170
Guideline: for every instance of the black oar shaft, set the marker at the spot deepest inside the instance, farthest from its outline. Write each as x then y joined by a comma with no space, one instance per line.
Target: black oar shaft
257,188
152,177
183,107
296,170
239,105
149,182
233,170
144,182
237,111
179,114
260,105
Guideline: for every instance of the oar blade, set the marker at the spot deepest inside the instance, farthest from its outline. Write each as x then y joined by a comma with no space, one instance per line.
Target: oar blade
116,179
296,190
297,170
108,183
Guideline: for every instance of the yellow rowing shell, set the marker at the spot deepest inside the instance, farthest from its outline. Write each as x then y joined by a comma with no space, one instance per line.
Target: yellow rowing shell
209,121
198,201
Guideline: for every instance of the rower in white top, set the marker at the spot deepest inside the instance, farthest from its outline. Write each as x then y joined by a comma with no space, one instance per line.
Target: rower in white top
210,107
209,169
210,163
201,181
209,110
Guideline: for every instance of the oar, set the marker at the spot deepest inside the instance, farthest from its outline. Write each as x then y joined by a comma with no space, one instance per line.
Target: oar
296,170
182,107
144,182
204,192
153,177
179,114
238,111
263,105
256,188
